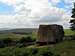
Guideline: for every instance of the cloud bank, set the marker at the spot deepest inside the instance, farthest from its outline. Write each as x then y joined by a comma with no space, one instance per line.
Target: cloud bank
31,13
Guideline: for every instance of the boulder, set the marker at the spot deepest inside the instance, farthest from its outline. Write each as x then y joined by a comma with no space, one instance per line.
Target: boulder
50,34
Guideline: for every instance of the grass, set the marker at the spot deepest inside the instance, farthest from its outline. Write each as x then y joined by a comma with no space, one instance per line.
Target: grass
65,48
13,36
68,32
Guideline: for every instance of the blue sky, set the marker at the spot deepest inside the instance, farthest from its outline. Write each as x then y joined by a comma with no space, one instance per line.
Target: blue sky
39,12
63,5
5,9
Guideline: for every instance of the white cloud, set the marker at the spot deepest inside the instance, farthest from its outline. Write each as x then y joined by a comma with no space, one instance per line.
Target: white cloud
9,2
54,16
70,1
31,13
12,22
54,2
69,4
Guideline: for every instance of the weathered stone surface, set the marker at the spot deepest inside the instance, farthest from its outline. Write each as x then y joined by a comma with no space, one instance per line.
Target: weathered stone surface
50,33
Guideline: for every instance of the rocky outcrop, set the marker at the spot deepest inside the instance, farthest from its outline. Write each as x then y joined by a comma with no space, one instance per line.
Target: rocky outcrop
50,34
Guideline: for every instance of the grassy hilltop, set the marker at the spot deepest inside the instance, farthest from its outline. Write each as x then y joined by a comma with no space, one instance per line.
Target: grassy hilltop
65,48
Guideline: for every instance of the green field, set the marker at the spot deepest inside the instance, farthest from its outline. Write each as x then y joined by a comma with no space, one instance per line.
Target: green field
65,48
68,32
13,36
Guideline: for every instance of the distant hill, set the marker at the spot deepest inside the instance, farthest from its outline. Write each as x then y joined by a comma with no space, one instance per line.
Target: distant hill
18,30
1,29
